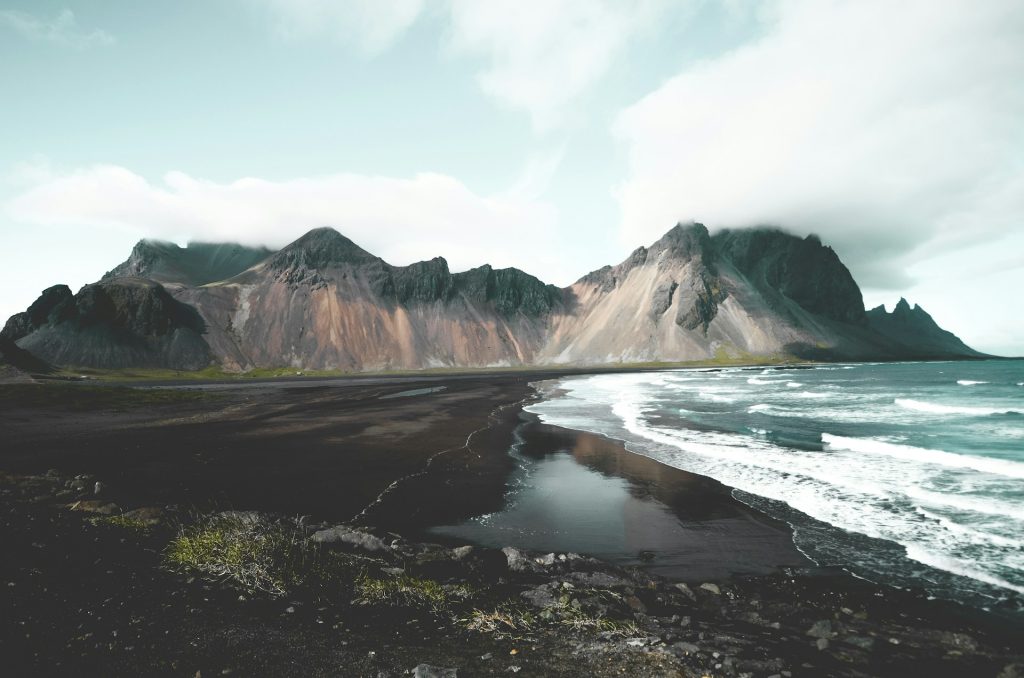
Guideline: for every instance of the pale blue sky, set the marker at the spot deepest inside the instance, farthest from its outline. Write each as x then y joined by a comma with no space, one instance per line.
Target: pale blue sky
553,136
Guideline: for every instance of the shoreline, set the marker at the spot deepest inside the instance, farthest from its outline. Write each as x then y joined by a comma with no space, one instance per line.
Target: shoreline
327,453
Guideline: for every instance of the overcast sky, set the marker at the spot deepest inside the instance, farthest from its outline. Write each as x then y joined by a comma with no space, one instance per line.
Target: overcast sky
551,135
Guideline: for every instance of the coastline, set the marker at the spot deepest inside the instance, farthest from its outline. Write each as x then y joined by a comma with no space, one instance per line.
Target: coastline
328,453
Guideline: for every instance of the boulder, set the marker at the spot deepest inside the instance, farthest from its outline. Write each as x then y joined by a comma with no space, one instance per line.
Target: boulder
344,535
97,506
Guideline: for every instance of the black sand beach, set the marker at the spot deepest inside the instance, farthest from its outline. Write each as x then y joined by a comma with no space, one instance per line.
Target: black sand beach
419,459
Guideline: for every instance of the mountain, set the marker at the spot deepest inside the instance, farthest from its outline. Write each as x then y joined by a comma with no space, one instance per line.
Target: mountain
115,323
323,302
918,331
196,264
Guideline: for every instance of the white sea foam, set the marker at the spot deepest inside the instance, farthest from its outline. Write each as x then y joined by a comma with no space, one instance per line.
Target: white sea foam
953,526
760,382
956,512
970,382
793,384
957,566
1002,467
935,408
716,397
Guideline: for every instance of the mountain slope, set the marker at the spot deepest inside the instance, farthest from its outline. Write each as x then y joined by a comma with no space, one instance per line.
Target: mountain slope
914,329
323,302
692,296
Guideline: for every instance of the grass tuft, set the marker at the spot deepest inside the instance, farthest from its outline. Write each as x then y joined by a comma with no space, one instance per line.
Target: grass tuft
510,620
406,590
257,555
122,521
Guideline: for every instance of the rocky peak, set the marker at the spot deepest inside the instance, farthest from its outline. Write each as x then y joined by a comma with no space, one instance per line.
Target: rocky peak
308,259
423,281
51,306
685,241
321,248
197,264
903,307
509,290
802,269
916,329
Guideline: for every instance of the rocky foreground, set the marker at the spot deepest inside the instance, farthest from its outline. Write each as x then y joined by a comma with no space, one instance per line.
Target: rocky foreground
88,587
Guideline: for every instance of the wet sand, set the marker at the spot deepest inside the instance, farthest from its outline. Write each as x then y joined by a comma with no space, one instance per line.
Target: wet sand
404,455
579,492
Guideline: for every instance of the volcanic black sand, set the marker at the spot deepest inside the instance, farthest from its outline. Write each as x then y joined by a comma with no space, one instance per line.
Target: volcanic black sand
415,460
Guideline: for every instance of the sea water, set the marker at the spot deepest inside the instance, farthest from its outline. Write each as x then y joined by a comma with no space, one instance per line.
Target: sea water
907,473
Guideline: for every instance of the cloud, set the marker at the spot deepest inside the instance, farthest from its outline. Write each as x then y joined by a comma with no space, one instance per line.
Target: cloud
542,55
538,56
401,220
370,25
891,129
63,29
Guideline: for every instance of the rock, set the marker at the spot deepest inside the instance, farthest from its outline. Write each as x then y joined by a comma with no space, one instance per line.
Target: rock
1012,671
712,588
98,488
547,560
148,515
342,534
517,562
597,580
462,552
688,648
686,591
542,596
822,643
635,604
960,641
863,642
428,671
821,629
94,506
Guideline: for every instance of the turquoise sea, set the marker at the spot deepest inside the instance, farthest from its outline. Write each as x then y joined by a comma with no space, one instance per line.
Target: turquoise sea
907,473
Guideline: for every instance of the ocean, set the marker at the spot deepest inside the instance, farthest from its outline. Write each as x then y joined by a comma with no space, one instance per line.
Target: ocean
911,474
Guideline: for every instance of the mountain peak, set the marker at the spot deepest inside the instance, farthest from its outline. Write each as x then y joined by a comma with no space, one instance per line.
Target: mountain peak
321,248
684,240
196,264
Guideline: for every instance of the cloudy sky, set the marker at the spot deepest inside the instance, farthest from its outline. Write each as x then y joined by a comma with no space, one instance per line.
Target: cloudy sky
552,135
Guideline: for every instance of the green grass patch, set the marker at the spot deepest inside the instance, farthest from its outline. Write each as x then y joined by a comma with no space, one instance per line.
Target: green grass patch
123,522
257,556
411,591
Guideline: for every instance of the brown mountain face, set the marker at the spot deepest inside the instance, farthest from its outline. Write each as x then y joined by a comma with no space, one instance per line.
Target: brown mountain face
323,302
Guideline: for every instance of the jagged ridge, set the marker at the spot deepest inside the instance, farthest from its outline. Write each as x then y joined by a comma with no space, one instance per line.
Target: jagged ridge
324,302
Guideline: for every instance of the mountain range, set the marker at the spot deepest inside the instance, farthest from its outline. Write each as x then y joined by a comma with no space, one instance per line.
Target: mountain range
323,302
